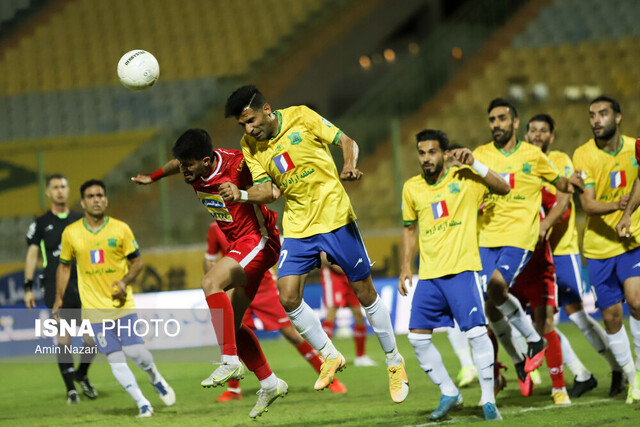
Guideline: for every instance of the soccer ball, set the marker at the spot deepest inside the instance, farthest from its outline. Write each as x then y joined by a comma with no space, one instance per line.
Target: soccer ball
138,70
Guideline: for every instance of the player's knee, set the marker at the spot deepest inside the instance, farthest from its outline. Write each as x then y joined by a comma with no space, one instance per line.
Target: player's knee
290,300
211,286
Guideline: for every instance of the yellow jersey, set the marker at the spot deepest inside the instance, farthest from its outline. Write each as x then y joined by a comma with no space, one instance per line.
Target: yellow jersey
446,213
298,161
514,219
611,175
564,235
101,257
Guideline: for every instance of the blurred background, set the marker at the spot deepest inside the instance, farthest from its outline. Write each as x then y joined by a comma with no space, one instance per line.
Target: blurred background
379,70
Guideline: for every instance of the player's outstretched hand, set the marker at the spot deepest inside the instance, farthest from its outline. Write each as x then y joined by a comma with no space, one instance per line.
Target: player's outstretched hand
29,300
404,283
229,192
463,155
142,179
624,226
350,174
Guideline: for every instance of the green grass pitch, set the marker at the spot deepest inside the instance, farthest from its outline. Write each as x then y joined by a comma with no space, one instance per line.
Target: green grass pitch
33,395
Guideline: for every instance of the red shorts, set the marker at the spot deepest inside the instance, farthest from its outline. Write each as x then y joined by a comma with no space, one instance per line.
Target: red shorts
536,284
337,290
256,255
266,307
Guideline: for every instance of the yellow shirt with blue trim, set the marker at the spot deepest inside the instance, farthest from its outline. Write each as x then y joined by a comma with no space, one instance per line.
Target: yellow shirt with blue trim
101,259
611,175
514,219
564,235
298,161
446,213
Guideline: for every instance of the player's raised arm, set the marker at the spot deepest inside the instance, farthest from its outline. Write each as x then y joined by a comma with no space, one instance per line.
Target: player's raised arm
350,151
264,193
557,213
172,167
491,179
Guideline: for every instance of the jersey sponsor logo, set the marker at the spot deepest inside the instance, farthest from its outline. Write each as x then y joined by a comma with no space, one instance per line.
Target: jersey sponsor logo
284,163
526,168
509,178
112,243
439,209
295,138
48,227
216,206
454,188
618,179
97,256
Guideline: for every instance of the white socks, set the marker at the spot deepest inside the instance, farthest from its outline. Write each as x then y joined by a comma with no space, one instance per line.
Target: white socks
431,362
309,326
460,345
482,350
269,383
125,377
571,360
143,358
634,325
502,330
619,344
595,334
380,321
513,311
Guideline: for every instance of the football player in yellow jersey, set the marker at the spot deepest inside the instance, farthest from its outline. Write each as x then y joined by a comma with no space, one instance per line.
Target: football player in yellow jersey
566,258
509,227
440,206
288,155
108,262
609,166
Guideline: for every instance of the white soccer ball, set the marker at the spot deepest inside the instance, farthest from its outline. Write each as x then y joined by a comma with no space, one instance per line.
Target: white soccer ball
138,70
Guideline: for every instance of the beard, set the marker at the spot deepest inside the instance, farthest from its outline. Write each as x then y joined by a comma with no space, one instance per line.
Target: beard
607,132
504,137
433,173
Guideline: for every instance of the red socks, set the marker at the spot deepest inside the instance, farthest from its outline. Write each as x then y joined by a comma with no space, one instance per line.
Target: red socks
554,359
310,354
360,337
251,353
222,315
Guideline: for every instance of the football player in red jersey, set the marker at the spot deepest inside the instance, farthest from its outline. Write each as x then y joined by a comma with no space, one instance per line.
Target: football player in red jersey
267,308
232,283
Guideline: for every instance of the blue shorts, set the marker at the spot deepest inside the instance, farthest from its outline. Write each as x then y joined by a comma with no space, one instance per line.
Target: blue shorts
344,246
569,278
508,260
437,302
113,338
607,276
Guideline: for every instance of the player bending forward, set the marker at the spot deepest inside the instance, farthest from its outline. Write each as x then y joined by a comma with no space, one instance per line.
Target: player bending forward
233,281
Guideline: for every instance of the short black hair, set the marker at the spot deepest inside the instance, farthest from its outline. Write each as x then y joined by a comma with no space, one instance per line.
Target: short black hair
241,98
193,144
433,135
501,102
91,183
55,176
615,106
543,118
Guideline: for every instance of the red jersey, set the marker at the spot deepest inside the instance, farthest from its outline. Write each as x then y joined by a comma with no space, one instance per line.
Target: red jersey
235,219
638,150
